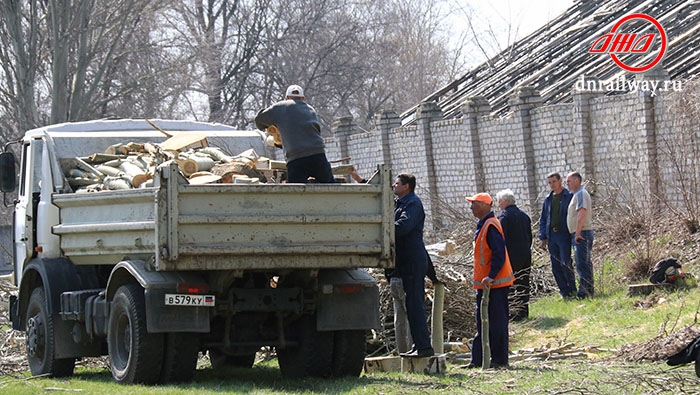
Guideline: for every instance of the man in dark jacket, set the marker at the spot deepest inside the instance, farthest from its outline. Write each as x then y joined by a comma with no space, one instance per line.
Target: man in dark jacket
300,133
554,235
412,261
517,230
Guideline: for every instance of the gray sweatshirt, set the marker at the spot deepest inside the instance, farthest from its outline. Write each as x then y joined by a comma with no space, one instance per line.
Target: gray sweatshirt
299,128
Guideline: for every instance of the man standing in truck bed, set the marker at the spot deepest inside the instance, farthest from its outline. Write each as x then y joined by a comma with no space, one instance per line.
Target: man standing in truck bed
300,133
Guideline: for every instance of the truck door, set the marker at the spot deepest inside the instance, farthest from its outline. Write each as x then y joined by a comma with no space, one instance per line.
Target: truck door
29,177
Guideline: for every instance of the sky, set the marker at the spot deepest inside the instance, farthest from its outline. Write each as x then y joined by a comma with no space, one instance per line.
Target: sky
498,23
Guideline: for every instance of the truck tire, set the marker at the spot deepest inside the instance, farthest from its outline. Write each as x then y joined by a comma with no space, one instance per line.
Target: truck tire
179,357
348,353
135,356
221,360
41,339
314,354
697,366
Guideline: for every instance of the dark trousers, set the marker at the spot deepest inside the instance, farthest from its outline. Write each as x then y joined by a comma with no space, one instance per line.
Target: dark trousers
316,166
520,293
559,245
414,286
498,327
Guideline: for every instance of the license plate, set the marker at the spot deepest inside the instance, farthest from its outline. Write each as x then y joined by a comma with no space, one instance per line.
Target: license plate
189,300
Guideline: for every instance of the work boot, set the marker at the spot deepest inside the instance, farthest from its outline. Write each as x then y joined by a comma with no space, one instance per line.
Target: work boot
424,353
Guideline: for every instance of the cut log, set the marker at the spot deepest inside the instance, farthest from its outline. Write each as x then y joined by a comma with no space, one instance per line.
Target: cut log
275,133
434,365
81,181
139,179
217,154
238,179
278,165
196,163
228,170
114,183
147,184
247,156
114,163
115,149
205,179
131,169
97,159
109,170
82,165
383,364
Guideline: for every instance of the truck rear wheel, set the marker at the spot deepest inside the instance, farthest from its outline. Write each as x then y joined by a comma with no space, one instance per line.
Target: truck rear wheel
221,360
348,353
41,340
135,356
179,357
314,354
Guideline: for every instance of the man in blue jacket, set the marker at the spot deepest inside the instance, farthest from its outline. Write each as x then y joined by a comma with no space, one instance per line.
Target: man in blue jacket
411,261
555,235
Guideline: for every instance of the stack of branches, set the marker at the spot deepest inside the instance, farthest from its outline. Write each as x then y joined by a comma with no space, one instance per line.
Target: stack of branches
13,360
549,352
660,347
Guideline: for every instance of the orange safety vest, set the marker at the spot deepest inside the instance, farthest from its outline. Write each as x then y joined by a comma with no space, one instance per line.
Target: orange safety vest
482,259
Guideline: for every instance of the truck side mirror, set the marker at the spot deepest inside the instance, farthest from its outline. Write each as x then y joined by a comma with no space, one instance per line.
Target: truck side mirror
8,172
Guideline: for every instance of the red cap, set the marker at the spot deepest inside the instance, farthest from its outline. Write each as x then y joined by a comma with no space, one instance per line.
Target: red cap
481,197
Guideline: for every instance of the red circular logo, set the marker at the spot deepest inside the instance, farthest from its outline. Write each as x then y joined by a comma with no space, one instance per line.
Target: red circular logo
663,42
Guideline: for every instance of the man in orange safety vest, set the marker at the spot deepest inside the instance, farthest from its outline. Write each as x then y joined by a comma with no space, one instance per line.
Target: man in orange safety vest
491,269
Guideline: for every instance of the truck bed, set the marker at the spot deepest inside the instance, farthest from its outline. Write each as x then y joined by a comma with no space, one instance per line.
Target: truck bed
232,226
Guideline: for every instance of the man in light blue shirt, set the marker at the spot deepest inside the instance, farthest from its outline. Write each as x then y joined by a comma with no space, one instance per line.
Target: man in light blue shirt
579,220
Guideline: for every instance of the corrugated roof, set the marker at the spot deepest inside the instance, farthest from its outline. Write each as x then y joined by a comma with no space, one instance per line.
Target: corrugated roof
553,57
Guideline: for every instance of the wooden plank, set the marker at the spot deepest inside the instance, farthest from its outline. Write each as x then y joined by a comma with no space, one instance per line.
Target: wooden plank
646,289
436,364
383,364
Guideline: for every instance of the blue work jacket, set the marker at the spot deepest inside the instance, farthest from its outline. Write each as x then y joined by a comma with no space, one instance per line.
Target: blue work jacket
546,208
409,218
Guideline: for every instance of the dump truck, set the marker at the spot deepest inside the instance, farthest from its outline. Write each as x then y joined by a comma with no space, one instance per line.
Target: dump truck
154,276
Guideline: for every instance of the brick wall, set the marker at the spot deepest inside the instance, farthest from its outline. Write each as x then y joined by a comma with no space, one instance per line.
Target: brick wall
613,140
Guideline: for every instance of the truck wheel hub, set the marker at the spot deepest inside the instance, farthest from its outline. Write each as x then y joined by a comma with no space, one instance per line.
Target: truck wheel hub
35,337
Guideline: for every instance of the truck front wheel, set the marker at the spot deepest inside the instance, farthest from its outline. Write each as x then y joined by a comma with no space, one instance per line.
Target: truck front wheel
41,339
135,355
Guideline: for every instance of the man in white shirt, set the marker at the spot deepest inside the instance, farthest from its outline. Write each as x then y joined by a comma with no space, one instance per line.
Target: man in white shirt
579,220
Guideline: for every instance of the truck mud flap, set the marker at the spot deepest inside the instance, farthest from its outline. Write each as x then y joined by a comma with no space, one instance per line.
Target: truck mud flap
348,300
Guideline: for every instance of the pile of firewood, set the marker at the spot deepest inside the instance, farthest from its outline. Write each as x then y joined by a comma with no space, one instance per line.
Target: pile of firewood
132,165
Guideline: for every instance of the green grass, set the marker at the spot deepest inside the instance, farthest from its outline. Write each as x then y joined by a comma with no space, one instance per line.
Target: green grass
609,321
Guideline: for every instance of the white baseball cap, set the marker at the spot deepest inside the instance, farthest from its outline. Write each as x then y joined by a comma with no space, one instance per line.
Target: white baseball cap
295,91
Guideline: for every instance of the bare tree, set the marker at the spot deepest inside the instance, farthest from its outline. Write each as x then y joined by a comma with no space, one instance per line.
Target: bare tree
22,41
60,58
224,40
